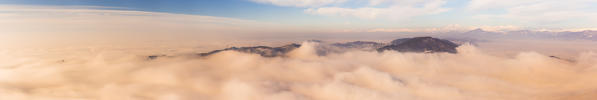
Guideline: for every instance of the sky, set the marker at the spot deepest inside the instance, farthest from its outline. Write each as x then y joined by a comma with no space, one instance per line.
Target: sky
536,14
77,20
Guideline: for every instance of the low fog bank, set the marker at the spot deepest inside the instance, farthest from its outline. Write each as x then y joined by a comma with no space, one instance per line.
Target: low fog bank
560,48
126,74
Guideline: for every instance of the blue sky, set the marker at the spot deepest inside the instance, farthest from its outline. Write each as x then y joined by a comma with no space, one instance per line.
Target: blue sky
222,8
368,14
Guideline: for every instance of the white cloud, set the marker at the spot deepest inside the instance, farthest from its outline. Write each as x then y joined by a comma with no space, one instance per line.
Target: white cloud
398,10
491,4
376,2
367,13
300,3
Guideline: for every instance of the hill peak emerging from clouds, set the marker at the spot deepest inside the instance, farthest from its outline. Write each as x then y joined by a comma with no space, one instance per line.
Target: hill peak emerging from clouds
421,44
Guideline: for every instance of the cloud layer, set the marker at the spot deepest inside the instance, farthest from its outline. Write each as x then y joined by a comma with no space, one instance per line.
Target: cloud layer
108,74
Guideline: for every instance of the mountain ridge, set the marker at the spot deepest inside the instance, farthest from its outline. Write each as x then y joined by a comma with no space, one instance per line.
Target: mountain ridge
415,44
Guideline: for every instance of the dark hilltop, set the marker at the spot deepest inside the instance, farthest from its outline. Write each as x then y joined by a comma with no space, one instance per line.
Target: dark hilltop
421,44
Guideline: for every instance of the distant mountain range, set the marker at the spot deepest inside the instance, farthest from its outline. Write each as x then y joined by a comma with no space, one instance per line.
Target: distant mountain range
447,44
417,44
480,35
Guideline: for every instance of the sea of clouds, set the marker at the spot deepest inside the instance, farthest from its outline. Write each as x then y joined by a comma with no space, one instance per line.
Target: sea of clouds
122,74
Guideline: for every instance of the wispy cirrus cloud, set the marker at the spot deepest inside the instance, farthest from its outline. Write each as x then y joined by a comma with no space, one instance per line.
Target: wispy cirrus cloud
300,3
64,24
396,11
391,9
